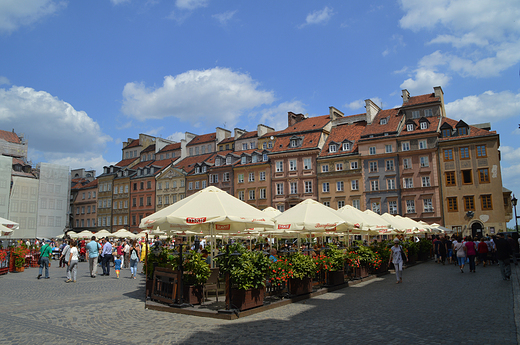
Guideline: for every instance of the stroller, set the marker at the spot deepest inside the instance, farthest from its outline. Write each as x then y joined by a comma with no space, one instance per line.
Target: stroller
82,254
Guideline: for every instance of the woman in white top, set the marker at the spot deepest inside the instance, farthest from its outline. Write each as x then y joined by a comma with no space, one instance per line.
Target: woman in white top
460,249
397,257
73,261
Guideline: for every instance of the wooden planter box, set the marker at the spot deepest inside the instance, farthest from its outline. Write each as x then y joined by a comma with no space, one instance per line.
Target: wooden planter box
300,286
247,299
4,270
19,269
192,294
335,278
360,272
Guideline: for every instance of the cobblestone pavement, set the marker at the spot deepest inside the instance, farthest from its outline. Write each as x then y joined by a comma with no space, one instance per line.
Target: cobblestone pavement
435,305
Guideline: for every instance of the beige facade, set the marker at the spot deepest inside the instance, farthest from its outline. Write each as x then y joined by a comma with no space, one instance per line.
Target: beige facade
170,187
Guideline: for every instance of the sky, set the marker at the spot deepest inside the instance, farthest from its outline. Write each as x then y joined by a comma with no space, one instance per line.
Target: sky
80,77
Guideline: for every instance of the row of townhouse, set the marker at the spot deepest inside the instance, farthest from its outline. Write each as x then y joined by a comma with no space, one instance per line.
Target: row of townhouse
411,160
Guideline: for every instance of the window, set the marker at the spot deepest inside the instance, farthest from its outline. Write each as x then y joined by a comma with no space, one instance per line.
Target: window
376,207
425,181
416,114
410,127
354,184
197,184
390,165
279,166
469,203
244,146
383,121
372,150
217,162
293,187
174,198
262,193
467,177
428,112
390,183
264,145
356,203
423,144
392,207
374,185
428,205
325,168
425,162
464,153
325,187
262,175
141,201
142,185
270,145
243,160
481,151
167,184
159,200
240,178
148,201
332,148
424,125
339,166
308,186
446,133
159,185
407,182
485,201
373,166
252,194
410,206
228,160
134,202
339,186
341,203
167,199
292,165
353,165
213,178
407,163
462,131
307,164
204,184
293,143
241,195
326,203
264,157
280,208
190,185
225,177
388,148
452,204
448,155
483,175
346,146
251,177
405,146
279,189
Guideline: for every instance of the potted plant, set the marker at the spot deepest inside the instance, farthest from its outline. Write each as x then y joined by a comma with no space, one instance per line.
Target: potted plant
4,261
19,254
196,274
382,252
334,264
424,249
303,270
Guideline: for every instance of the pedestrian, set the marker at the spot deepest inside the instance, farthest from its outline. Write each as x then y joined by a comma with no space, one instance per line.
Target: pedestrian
63,245
471,252
482,249
460,249
503,251
513,243
73,262
449,249
436,246
126,250
398,257
65,257
120,252
442,250
106,254
45,254
117,265
93,249
134,259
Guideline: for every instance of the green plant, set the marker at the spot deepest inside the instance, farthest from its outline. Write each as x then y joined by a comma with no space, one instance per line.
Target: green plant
196,270
424,246
160,256
19,254
335,258
279,272
302,265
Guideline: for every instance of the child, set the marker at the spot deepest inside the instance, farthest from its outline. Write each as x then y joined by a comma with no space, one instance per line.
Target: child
117,265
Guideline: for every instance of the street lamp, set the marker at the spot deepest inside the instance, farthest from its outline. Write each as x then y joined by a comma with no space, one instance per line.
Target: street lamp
514,202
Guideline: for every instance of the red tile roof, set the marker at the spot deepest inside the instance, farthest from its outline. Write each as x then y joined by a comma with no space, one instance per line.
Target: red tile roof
310,140
19,161
149,148
421,99
338,134
433,126
267,135
126,162
171,147
227,140
308,124
473,131
201,139
391,126
188,163
9,136
134,143
23,174
92,184
248,135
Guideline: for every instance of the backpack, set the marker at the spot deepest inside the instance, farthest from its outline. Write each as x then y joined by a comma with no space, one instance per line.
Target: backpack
134,255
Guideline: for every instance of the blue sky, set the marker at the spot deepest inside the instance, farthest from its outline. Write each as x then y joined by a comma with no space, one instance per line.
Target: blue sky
80,77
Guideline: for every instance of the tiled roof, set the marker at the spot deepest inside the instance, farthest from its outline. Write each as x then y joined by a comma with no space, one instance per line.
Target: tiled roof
150,148
310,140
248,135
433,126
267,135
23,174
125,162
19,161
421,99
391,126
92,184
473,131
9,136
201,139
188,163
170,147
134,143
308,124
227,140
350,132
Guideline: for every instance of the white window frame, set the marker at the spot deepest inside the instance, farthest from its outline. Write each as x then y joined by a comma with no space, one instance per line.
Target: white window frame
392,207
354,165
324,168
423,144
279,166
332,148
339,166
372,150
325,187
425,161
293,188
354,185
339,186
307,163
410,206
405,146
388,148
425,181
308,186
293,164
374,185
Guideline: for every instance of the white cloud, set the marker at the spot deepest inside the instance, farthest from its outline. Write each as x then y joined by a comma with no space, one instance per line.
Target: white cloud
16,13
208,97
118,2
276,117
510,178
318,17
510,154
191,4
423,81
357,104
486,107
223,18
51,126
177,136
4,81
96,162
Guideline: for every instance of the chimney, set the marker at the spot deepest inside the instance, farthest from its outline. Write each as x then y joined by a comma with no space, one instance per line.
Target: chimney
294,118
263,129
183,148
405,95
371,110
437,90
222,134
335,113
239,132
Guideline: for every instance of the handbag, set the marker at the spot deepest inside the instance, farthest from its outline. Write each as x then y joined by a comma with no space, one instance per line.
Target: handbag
40,261
403,255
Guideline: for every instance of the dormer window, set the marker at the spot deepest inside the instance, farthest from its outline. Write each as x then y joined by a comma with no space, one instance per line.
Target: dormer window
462,131
217,162
410,127
265,157
332,148
462,128
446,133
197,170
383,121
293,143
243,160
203,168
424,125
346,147
270,146
264,145
254,158
139,172
228,160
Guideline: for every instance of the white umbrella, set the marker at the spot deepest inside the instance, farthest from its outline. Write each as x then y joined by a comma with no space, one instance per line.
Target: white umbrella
123,233
85,234
4,231
9,224
103,233
364,220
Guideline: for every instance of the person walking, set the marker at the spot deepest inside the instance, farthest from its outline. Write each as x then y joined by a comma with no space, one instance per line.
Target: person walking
449,249
503,251
460,250
93,249
65,257
106,254
45,254
482,249
126,250
134,259
471,252
117,265
73,262
398,257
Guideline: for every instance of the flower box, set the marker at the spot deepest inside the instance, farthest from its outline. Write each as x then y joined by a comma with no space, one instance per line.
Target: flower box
335,278
192,294
360,272
19,269
247,299
300,286
4,270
